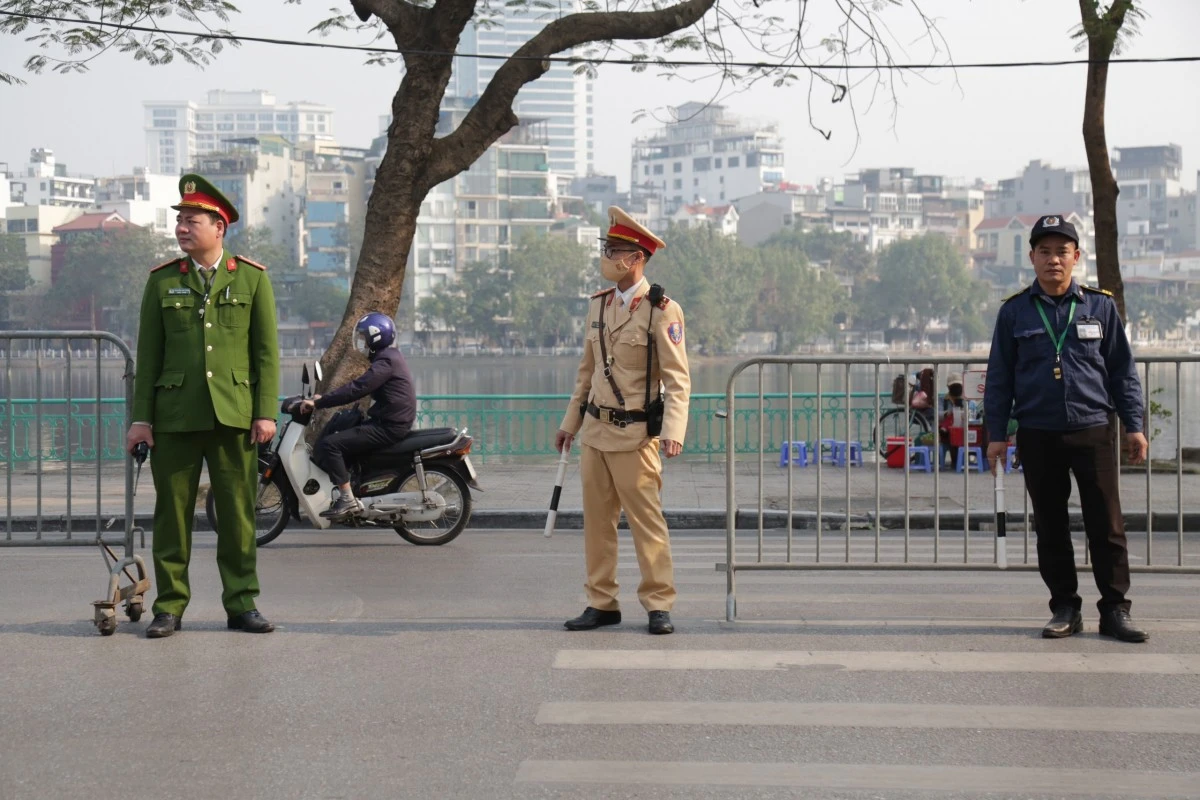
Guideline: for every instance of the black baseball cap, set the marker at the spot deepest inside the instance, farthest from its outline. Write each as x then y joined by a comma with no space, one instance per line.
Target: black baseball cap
1052,224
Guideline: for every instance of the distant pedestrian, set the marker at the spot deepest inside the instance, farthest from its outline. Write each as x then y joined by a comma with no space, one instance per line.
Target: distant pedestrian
1061,365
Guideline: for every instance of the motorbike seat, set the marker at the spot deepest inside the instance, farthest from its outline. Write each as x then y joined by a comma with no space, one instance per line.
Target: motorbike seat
415,440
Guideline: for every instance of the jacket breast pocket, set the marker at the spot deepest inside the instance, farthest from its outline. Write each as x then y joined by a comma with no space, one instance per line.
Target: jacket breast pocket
233,310
1033,345
179,312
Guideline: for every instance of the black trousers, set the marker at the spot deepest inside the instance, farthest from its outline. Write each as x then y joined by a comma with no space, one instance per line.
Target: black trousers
1049,458
331,451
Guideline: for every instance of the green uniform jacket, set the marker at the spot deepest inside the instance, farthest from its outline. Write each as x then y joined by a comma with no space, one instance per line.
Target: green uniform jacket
194,371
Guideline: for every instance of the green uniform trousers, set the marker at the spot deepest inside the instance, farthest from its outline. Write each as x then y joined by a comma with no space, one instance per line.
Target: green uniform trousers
233,472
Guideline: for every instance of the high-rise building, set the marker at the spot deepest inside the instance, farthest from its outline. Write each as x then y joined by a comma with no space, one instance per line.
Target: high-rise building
45,182
179,131
560,98
705,156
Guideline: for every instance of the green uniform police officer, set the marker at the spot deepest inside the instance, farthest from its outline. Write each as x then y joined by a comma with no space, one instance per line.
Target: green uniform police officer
205,393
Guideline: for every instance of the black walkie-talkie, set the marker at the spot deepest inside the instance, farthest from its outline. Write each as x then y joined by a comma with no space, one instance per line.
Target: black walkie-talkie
655,407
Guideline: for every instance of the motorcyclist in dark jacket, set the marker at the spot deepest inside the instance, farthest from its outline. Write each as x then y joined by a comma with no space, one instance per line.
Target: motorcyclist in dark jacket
389,419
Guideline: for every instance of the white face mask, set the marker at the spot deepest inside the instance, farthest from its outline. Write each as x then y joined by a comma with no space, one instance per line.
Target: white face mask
612,269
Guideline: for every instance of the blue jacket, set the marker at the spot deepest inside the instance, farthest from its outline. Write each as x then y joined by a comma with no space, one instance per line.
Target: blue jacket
390,385
1098,375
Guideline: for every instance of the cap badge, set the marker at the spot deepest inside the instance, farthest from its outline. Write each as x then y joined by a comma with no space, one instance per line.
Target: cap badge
189,187
1051,222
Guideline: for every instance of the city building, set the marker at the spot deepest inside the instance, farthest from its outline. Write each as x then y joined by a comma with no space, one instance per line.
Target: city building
561,97
893,198
1042,189
705,155
265,180
36,225
179,131
45,182
784,207
722,219
334,211
143,198
598,192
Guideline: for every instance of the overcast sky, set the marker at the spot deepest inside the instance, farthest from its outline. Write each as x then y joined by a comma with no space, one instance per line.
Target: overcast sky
976,123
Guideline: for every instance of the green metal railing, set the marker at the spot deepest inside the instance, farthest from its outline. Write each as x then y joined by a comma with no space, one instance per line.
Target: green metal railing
511,425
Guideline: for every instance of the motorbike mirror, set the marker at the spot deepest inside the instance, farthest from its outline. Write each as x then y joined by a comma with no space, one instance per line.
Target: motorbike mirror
317,371
304,375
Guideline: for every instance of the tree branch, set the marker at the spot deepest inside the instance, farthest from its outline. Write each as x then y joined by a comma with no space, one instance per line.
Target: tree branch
492,116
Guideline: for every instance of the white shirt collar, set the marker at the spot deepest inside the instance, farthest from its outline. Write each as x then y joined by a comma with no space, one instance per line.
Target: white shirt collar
196,261
627,295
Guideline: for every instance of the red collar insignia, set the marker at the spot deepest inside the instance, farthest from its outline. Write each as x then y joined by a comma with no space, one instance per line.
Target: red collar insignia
231,264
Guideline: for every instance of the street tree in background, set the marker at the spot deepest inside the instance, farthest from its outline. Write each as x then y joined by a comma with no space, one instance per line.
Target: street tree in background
796,301
825,247
777,33
14,271
547,277
257,243
1104,28
103,274
921,280
315,299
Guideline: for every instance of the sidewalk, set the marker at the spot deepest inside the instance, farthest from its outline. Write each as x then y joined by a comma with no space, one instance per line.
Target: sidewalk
694,493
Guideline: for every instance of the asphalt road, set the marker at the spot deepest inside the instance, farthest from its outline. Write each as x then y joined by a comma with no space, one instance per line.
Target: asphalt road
405,672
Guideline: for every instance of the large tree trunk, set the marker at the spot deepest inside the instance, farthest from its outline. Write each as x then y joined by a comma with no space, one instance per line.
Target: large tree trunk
1101,32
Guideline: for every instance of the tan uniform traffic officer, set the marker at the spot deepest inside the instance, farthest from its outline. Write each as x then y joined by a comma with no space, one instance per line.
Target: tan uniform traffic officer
620,465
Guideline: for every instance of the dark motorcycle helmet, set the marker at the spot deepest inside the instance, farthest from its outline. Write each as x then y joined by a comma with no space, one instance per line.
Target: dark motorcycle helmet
374,332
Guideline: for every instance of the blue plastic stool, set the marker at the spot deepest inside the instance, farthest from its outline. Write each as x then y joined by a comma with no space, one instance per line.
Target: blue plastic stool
920,455
840,450
799,452
966,452
827,451
1008,460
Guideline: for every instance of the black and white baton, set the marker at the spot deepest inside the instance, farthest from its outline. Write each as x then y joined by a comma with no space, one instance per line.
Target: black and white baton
1001,517
558,482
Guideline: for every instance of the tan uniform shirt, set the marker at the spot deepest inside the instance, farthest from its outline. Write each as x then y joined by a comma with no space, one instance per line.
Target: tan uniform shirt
625,328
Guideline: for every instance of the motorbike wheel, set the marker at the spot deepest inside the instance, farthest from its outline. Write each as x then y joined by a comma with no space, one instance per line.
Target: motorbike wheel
271,513
451,486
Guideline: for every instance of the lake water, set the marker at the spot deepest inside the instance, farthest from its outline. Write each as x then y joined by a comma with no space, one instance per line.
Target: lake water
500,375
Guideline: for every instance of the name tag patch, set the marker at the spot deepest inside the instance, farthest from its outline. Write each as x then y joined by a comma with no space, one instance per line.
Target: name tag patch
1088,330
179,290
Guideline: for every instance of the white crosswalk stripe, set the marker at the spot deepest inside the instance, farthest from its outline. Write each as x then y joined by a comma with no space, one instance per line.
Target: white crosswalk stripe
894,709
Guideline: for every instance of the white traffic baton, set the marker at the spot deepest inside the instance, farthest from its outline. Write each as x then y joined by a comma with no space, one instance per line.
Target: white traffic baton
1001,517
558,482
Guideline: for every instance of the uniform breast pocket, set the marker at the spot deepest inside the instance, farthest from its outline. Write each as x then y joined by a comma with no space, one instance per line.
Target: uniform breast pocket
1033,345
179,312
233,309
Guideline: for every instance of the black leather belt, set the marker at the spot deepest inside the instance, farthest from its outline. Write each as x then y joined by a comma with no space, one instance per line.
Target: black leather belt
616,416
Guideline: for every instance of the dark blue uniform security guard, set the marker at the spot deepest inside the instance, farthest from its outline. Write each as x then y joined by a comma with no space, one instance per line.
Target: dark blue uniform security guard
1061,365
389,419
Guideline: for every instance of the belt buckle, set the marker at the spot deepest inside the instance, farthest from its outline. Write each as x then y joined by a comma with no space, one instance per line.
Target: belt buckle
606,414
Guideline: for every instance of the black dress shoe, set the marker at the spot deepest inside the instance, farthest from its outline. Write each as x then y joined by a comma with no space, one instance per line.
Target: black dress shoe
660,622
593,618
163,626
1065,622
1119,625
251,622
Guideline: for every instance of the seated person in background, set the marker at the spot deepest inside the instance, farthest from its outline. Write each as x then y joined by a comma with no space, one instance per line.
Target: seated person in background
389,419
954,409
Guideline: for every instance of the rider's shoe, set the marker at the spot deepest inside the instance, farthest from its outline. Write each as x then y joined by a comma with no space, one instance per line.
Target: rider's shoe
347,505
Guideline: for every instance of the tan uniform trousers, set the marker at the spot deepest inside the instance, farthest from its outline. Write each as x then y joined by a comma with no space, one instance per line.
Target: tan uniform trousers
629,480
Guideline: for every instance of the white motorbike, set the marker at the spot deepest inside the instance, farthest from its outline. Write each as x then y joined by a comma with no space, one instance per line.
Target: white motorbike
420,486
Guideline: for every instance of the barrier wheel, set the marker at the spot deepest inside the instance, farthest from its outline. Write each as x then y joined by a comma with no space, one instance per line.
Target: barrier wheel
133,611
107,626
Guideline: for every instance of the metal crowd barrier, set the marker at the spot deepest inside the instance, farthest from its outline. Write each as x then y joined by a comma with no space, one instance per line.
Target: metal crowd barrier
922,537
69,435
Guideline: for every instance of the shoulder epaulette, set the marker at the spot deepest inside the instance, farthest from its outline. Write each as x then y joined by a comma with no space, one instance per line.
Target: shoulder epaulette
1096,289
603,292
1015,294
245,260
662,304
167,264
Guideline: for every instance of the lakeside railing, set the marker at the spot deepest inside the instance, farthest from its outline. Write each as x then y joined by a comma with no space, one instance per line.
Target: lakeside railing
507,426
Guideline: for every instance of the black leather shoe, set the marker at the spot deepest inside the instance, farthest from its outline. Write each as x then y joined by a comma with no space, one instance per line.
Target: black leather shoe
660,622
251,622
593,618
1065,622
163,626
1119,625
